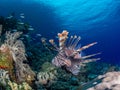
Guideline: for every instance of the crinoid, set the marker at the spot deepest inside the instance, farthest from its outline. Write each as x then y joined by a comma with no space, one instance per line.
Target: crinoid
68,56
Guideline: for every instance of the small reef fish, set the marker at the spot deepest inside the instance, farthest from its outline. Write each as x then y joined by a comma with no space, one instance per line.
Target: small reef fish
21,38
95,83
9,17
39,35
26,35
21,23
22,15
30,29
14,30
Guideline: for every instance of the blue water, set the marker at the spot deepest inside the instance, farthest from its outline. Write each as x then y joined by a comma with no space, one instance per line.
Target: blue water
93,20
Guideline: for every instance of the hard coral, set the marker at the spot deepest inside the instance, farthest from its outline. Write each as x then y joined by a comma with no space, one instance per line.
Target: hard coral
110,81
68,55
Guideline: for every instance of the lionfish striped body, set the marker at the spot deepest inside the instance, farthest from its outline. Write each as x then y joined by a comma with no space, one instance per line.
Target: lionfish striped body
68,56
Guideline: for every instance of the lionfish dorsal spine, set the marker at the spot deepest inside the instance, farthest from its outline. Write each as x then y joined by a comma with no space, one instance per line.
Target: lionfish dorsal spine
54,44
82,48
71,42
62,39
76,41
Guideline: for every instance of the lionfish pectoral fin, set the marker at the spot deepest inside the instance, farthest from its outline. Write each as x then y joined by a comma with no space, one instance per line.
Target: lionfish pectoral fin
68,52
74,69
88,56
91,60
85,47
77,56
67,63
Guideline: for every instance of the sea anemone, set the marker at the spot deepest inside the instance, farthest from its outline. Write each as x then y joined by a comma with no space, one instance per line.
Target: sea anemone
69,56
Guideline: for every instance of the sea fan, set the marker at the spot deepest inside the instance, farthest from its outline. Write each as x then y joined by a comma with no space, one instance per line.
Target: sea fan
68,56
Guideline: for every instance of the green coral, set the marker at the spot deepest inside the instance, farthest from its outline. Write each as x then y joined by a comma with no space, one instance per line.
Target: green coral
48,74
15,86
3,60
48,67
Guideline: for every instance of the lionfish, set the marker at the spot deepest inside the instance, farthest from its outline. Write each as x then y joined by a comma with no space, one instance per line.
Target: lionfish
69,56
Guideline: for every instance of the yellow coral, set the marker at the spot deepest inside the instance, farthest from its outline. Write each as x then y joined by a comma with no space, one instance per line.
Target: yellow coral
6,60
15,86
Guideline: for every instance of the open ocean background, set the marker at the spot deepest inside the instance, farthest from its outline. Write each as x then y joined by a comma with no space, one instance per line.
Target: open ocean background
93,20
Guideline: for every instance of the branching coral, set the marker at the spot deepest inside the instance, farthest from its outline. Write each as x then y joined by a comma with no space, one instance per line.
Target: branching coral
69,56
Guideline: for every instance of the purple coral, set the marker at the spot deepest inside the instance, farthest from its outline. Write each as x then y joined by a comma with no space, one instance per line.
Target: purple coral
68,56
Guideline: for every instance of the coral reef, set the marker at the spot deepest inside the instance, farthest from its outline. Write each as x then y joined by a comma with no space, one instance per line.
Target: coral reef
110,81
25,64
12,52
15,86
